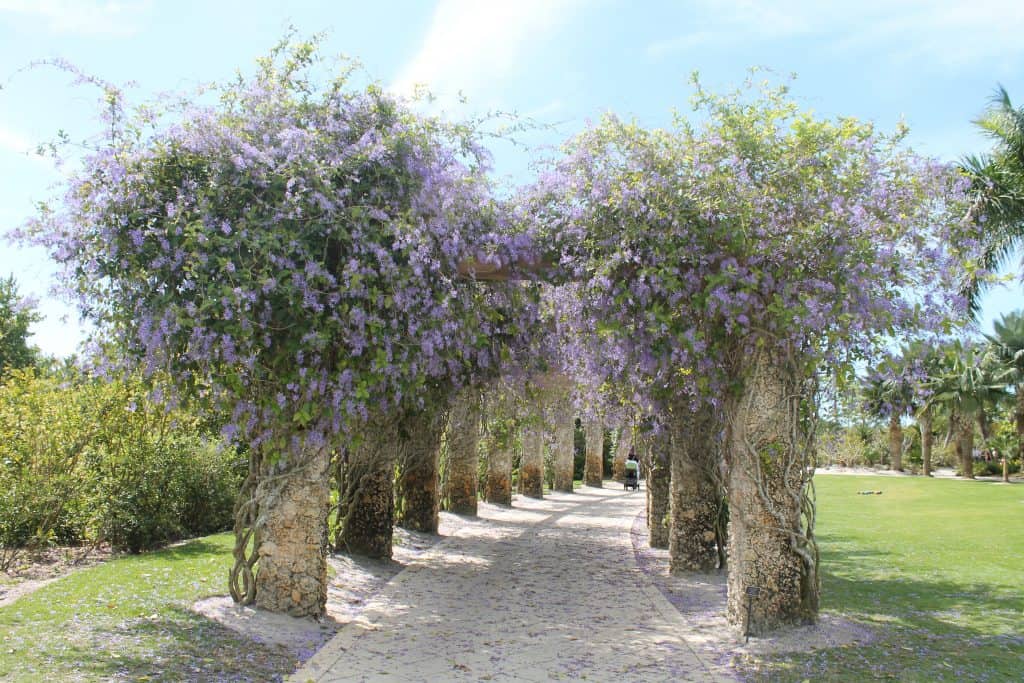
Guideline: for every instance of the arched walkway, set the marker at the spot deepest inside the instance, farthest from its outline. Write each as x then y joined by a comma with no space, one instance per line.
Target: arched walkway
546,590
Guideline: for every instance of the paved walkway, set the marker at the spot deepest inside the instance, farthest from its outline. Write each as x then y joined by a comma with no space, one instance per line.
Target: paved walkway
546,590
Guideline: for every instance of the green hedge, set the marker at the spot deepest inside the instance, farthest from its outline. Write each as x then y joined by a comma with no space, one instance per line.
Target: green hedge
83,461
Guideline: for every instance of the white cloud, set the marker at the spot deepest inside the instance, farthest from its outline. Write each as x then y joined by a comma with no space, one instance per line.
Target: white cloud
81,17
683,43
948,32
474,43
13,141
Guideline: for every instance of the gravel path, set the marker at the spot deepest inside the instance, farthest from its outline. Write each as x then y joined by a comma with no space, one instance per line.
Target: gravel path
546,590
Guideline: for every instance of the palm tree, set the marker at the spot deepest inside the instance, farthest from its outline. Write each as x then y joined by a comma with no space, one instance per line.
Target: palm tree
997,184
1007,344
887,394
921,361
966,385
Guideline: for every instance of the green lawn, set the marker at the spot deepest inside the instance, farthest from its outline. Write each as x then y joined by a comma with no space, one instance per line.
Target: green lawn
128,619
938,564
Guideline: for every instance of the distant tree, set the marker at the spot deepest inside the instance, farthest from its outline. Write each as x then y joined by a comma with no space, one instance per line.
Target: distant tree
997,182
966,386
1007,344
16,315
889,396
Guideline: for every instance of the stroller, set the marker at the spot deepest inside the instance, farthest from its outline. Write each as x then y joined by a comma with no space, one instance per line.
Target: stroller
632,478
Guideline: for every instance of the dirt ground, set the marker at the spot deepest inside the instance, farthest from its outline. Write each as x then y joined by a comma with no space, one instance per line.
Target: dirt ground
33,570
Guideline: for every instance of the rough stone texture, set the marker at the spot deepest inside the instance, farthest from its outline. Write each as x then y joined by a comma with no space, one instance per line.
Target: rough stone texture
593,467
367,503
291,574
418,485
696,490
563,437
623,445
463,437
498,484
770,544
531,465
658,479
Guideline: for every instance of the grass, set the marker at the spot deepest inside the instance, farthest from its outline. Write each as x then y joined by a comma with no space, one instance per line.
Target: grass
937,564
128,619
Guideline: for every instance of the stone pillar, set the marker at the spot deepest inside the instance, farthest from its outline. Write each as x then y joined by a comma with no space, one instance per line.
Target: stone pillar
593,468
771,535
463,437
531,465
658,489
564,429
498,483
696,493
417,488
294,500
366,507
623,446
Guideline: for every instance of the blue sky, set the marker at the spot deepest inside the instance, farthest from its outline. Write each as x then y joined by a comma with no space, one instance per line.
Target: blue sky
932,63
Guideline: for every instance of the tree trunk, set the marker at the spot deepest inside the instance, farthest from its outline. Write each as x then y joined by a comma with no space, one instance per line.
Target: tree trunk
623,447
294,499
696,491
498,484
564,429
531,465
658,480
925,424
366,506
771,540
1020,424
463,437
895,443
417,488
965,438
593,467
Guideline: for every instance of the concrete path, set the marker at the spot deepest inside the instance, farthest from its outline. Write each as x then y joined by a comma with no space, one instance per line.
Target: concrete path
544,591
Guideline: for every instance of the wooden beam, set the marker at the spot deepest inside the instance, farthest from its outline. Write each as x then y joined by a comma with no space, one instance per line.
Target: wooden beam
524,268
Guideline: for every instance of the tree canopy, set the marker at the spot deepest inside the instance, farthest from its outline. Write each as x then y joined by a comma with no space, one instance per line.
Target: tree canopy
762,225
16,315
289,251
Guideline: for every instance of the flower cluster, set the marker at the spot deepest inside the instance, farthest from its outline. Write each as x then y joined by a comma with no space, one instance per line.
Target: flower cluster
764,225
290,253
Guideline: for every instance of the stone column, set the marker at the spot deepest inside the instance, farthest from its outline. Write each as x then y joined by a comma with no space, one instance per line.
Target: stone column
564,429
366,507
417,488
498,482
593,468
658,489
463,438
531,465
294,499
771,530
623,445
696,493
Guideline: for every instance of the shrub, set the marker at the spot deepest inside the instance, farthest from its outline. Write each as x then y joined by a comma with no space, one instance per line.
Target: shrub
86,461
